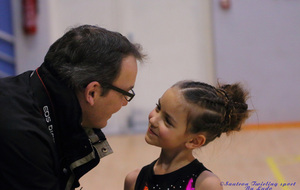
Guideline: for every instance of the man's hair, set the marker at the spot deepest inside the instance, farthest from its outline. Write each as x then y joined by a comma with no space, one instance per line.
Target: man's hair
89,53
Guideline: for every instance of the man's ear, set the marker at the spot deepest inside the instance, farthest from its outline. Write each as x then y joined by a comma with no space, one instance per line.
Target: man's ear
196,141
92,91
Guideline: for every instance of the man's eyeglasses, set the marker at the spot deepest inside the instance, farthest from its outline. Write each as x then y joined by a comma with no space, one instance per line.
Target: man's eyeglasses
128,95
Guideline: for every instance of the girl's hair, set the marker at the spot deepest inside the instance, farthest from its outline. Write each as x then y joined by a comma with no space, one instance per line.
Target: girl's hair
214,110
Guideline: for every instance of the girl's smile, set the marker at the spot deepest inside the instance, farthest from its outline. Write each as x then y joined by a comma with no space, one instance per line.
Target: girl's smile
151,131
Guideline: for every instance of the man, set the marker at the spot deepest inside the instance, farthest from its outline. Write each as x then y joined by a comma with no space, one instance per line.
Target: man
51,118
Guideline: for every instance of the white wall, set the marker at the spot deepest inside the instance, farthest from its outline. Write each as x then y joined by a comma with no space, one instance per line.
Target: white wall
261,49
30,50
175,34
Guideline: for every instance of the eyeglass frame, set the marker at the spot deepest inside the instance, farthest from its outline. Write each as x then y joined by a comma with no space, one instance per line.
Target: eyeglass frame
125,93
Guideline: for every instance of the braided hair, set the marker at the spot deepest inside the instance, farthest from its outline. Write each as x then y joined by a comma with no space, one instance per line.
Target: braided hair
214,110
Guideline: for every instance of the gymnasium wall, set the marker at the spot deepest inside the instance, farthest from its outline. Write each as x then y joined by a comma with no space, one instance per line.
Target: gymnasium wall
7,62
185,40
258,42
175,34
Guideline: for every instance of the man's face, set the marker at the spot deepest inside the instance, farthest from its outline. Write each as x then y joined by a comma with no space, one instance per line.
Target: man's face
97,109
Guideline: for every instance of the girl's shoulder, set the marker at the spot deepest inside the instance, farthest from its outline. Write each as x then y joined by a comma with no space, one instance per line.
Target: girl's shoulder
137,176
208,181
130,179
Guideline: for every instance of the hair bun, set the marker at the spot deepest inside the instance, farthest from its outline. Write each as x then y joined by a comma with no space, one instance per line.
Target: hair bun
236,109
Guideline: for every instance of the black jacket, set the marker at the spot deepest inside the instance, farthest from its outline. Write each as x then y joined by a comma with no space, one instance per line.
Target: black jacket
42,142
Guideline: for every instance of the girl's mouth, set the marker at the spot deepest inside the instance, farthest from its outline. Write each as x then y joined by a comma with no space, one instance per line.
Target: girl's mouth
151,131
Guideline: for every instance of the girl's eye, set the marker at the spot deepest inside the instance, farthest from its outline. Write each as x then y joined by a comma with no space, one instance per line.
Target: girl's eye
168,121
157,107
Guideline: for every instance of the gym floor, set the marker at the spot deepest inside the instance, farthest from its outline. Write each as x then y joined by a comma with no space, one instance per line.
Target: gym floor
247,160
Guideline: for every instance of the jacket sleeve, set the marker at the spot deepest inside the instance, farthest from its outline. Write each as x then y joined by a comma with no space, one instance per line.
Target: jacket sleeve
28,159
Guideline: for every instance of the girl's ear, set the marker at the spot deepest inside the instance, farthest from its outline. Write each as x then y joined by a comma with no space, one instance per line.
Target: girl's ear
91,92
196,141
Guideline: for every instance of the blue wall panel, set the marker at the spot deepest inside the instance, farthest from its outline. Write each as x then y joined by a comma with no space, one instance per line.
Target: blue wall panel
7,66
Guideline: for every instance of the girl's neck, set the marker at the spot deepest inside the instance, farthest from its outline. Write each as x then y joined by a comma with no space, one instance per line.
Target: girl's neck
169,162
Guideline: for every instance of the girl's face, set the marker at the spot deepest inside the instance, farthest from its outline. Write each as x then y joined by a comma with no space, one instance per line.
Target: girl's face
168,122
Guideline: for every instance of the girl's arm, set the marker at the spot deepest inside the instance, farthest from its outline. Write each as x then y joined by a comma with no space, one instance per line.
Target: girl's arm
208,181
131,179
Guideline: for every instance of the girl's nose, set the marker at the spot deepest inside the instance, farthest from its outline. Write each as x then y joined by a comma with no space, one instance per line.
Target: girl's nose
153,119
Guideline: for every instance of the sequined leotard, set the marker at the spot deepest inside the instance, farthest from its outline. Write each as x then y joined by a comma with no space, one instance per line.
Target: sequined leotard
183,178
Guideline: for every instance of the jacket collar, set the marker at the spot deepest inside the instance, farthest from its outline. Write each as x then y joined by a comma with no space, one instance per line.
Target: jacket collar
79,148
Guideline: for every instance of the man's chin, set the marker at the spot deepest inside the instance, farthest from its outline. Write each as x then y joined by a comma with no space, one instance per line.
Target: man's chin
101,125
98,126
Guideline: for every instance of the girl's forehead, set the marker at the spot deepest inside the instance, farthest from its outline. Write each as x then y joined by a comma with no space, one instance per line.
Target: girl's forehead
173,99
173,104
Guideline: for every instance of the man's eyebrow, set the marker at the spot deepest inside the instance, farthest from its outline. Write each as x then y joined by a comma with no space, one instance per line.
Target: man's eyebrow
130,88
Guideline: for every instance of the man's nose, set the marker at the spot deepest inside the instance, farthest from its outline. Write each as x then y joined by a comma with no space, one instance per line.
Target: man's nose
124,102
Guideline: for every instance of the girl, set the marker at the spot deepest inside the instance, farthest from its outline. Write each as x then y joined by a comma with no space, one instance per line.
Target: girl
188,115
